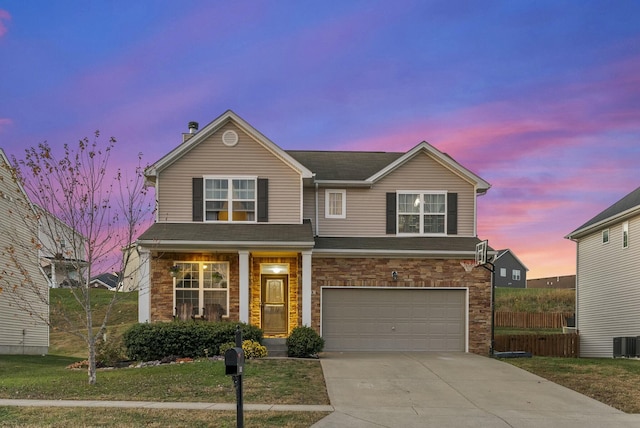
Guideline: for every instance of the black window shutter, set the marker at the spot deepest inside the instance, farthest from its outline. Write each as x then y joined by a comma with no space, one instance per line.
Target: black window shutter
198,202
391,213
263,200
452,213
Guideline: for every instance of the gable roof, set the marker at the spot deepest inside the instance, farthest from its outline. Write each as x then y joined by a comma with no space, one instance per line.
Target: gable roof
108,280
505,251
365,168
624,208
214,126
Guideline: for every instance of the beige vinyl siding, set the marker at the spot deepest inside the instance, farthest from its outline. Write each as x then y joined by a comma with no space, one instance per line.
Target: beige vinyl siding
212,157
22,331
366,208
608,289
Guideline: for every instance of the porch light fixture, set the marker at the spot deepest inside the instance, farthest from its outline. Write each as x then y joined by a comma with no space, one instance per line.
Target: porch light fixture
394,275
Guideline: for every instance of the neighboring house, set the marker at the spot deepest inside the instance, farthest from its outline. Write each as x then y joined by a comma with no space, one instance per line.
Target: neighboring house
608,276
367,248
132,268
24,313
509,270
108,281
62,251
558,282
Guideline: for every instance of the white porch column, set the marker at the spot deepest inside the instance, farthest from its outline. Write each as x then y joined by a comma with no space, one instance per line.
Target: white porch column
306,288
144,285
244,285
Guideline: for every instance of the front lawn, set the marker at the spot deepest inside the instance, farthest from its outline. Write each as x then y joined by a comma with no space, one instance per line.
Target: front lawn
615,382
277,381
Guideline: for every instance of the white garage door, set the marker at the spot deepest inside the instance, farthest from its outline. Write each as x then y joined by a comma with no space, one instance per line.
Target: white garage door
375,319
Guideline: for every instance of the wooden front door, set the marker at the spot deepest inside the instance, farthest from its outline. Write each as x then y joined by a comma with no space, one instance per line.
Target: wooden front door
274,304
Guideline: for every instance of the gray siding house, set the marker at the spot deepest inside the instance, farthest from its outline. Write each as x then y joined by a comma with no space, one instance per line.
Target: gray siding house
608,276
367,248
509,270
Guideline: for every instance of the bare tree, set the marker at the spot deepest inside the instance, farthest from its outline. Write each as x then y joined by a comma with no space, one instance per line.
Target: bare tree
87,212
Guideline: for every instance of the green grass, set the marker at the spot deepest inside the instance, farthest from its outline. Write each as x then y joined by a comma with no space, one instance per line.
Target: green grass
610,381
535,300
62,342
277,381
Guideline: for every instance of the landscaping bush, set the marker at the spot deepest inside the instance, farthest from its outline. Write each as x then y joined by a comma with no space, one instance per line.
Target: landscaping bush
110,352
183,339
251,348
304,342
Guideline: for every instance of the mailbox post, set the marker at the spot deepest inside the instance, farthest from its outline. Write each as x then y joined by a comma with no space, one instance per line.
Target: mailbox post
234,367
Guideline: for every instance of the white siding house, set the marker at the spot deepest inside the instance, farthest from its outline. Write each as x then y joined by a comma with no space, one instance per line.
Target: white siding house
24,312
608,276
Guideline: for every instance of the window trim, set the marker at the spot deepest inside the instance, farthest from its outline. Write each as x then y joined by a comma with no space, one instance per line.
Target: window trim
230,200
605,236
503,272
327,205
513,275
625,234
201,288
421,214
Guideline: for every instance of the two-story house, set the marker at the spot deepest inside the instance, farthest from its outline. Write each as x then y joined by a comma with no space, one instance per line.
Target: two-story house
608,276
509,270
24,292
365,247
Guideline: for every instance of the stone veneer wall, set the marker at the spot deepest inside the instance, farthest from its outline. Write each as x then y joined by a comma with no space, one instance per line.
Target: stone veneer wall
376,272
161,283
255,309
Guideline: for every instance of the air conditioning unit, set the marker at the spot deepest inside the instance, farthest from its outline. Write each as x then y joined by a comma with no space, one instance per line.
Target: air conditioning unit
617,347
627,346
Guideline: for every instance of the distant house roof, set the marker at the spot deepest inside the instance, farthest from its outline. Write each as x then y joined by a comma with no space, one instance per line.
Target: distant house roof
625,207
507,250
563,281
106,280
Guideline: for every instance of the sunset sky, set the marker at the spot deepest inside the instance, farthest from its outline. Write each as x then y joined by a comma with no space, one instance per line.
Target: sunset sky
539,98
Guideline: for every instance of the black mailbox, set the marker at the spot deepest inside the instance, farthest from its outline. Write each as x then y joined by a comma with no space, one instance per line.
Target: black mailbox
234,361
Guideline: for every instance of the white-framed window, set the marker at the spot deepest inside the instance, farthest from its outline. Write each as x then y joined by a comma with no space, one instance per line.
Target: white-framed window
230,199
605,236
335,203
515,274
625,234
423,213
503,272
201,288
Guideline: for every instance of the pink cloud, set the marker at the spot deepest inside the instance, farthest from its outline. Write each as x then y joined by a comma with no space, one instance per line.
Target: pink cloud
5,123
4,16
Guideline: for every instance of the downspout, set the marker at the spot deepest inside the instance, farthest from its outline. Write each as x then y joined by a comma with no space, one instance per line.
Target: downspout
316,209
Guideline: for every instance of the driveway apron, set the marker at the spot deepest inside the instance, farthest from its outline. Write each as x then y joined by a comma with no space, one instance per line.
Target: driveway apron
453,390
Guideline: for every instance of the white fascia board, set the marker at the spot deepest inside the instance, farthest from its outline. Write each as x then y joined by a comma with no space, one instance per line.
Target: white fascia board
514,256
603,223
222,246
480,184
214,126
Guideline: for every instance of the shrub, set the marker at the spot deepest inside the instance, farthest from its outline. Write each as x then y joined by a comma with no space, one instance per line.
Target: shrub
304,342
110,352
251,348
182,339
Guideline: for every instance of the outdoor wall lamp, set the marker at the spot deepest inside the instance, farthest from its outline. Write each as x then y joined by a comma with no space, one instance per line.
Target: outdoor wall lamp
394,275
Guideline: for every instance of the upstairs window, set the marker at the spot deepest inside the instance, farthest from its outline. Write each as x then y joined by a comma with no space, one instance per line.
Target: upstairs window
503,272
605,236
230,199
335,203
422,213
625,234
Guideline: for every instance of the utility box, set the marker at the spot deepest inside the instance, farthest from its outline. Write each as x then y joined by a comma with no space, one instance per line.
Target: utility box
234,361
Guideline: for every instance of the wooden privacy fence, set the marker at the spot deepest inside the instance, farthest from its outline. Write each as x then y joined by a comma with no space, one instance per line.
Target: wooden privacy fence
542,345
531,319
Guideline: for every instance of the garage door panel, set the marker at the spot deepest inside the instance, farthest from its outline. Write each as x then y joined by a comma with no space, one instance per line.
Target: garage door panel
393,319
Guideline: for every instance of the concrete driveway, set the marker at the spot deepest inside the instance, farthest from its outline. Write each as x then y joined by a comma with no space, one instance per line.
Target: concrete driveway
453,390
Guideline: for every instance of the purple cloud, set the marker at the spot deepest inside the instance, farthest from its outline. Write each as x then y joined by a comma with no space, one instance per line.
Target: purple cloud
4,16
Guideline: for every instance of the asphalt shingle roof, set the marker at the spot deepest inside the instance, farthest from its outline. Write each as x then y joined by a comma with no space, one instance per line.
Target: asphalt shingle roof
630,201
393,243
344,165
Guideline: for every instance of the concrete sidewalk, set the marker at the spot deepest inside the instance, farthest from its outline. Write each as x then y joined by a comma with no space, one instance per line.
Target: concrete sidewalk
165,405
453,390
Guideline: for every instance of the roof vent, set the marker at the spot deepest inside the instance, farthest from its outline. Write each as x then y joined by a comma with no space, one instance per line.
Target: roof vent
230,138
193,127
